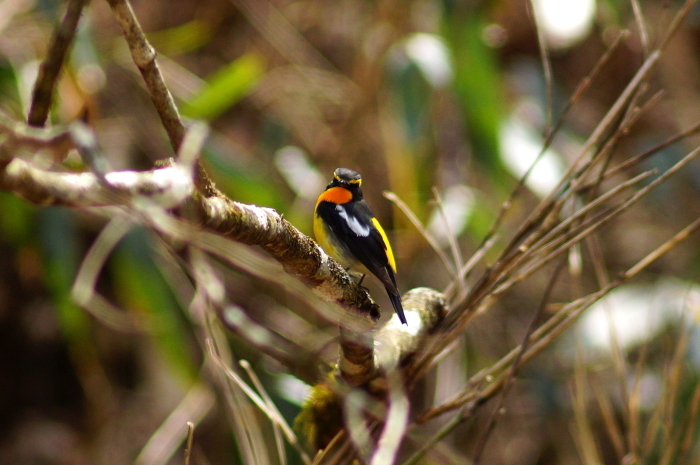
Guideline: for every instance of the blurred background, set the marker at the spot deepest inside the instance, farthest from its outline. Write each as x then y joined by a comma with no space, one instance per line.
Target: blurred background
414,95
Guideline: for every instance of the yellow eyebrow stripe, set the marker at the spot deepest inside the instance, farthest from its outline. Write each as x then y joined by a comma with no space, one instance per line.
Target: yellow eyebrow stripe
387,246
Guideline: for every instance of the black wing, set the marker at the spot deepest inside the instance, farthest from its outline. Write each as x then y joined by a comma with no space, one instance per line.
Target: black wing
352,224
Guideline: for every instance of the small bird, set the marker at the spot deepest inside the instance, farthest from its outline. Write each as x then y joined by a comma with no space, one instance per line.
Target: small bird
348,231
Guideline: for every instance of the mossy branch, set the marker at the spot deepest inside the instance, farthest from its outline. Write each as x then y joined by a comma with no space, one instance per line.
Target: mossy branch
171,187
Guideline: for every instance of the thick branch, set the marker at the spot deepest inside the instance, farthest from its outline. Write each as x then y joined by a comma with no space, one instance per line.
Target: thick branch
361,361
168,186
299,255
321,416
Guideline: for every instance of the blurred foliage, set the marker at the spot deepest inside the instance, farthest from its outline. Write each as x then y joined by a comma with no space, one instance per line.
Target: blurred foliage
144,292
339,81
225,88
184,38
476,83
61,256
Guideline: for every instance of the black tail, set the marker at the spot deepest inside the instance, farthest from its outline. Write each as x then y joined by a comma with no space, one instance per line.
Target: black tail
398,308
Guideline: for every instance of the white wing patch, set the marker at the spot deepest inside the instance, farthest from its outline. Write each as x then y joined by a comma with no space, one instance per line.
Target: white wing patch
358,228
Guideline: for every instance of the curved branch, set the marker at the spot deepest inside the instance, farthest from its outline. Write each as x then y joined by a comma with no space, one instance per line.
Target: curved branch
362,362
169,186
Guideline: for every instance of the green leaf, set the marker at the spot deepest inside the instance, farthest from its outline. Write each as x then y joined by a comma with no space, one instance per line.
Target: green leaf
61,252
226,87
17,218
181,39
477,83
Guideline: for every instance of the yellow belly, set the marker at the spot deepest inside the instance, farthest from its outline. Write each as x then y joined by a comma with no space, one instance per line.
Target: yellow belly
334,248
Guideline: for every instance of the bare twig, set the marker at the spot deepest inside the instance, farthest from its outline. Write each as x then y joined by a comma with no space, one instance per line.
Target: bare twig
277,417
610,117
510,379
50,69
447,428
547,70
188,444
668,245
584,436
547,331
609,419
144,57
246,426
469,266
84,292
582,87
562,236
423,231
617,355
573,236
456,253
165,441
489,288
641,26
694,129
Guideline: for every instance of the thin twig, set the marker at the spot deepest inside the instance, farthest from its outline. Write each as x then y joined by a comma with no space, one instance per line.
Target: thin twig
563,230
246,426
271,405
590,225
558,232
694,129
609,419
166,440
84,291
632,114
272,413
50,69
547,70
144,57
613,114
678,237
456,253
422,230
581,426
469,266
446,429
188,446
510,379
586,82
617,355
580,89
550,329
489,288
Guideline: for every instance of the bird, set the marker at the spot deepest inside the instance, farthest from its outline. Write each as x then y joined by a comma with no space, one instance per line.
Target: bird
347,230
